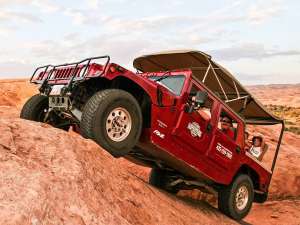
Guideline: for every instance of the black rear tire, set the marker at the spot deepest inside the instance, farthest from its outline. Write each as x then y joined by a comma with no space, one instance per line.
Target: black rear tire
35,109
159,178
96,114
227,197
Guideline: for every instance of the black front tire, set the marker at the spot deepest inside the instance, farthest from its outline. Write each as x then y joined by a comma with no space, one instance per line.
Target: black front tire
35,109
227,197
96,114
159,178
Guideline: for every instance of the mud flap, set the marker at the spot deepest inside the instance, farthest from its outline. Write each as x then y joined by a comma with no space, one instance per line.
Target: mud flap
260,197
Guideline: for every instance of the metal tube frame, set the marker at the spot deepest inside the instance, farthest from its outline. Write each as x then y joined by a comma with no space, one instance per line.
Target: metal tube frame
219,83
74,73
278,146
246,97
206,73
239,97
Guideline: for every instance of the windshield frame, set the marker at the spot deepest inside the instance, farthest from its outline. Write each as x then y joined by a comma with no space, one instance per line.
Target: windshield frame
161,77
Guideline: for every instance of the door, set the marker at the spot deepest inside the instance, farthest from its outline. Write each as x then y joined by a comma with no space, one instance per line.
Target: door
225,151
193,131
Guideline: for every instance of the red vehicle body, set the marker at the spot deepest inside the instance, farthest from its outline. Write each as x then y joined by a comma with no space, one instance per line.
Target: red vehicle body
208,161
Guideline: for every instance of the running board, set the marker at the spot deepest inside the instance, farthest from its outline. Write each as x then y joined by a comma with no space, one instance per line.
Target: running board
193,184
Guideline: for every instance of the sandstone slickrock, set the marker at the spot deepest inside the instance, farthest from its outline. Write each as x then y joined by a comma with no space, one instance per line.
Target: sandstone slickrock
15,92
52,177
48,176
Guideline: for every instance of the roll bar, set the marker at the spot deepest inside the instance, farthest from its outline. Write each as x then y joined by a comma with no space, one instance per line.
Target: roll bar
278,146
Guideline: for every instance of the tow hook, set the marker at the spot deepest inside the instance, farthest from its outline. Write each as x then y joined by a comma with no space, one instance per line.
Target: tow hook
47,111
64,91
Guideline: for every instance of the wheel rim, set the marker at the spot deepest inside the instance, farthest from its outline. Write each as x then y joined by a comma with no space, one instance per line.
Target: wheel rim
118,124
242,197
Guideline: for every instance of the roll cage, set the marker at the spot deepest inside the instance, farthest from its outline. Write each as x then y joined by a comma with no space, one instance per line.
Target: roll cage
220,82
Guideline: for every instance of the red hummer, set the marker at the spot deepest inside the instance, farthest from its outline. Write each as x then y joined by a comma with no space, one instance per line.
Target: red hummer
155,117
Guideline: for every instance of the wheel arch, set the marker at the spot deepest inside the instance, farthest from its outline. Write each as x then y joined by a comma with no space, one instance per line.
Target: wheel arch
245,169
259,196
121,82
141,95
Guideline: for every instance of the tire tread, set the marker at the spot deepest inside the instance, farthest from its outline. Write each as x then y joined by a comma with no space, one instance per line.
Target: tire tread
93,110
225,194
28,110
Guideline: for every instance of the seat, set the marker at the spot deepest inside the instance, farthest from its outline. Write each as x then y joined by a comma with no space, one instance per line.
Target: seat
264,149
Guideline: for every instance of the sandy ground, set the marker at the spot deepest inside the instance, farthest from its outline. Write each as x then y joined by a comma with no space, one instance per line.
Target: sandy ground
277,94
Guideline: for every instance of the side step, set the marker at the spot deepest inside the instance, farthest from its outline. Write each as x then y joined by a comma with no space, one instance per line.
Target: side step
193,184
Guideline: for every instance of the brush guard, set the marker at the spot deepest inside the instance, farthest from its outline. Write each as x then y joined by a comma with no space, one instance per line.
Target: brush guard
76,71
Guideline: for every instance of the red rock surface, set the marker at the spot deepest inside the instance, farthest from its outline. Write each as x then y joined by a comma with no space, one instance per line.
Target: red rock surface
275,213
15,92
48,176
58,177
277,94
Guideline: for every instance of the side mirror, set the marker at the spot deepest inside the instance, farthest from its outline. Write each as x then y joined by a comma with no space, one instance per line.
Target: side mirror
200,98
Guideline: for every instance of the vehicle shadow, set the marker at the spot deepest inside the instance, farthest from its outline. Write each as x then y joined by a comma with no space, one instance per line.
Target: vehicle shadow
208,208
244,223
204,206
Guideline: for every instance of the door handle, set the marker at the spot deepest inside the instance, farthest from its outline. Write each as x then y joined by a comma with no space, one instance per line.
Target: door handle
208,127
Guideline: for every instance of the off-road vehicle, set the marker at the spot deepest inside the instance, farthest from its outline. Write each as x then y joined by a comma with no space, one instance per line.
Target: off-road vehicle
151,118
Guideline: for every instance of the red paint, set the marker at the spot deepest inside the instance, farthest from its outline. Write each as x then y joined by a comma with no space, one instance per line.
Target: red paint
213,156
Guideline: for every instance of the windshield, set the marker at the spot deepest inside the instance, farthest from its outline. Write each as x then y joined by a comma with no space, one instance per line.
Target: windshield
173,83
